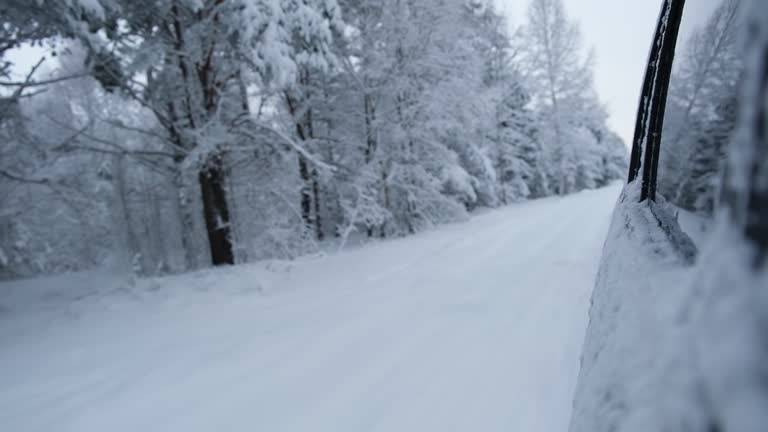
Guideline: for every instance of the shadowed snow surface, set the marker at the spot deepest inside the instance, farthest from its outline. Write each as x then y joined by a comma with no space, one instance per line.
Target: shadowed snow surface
472,327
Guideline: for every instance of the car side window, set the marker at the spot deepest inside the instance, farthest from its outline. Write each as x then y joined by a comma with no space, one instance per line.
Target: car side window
701,109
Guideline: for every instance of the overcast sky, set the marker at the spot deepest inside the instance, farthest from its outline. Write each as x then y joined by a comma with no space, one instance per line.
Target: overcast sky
620,31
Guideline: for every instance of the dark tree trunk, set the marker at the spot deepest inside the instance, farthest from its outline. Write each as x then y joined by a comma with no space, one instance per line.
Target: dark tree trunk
200,92
306,192
370,134
310,190
372,144
310,198
217,220
316,199
387,200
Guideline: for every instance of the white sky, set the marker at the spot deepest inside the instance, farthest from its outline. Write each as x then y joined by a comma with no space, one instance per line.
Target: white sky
620,31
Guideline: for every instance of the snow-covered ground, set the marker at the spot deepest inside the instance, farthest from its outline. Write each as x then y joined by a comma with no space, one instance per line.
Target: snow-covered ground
472,327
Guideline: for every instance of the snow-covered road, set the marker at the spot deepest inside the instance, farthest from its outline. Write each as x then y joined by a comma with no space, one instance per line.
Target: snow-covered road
471,327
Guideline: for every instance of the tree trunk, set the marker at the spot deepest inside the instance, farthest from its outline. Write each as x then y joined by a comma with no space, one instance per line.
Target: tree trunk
202,89
310,189
310,198
316,200
306,192
189,228
217,220
370,134
387,200
161,263
127,243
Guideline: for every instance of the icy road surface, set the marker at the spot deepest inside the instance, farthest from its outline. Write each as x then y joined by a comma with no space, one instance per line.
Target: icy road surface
472,327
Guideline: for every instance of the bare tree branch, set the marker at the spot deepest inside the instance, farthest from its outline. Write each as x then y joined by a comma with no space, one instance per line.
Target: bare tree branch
29,83
21,179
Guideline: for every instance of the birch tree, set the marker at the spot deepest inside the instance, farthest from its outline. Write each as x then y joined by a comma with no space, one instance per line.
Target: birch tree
561,75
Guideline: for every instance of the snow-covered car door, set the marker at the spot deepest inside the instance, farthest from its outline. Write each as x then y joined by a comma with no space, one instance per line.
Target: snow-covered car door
679,318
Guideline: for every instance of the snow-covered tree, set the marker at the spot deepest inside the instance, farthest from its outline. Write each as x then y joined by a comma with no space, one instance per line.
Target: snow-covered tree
229,131
562,79
201,53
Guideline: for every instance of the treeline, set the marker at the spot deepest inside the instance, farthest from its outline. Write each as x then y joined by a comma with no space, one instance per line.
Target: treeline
178,134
